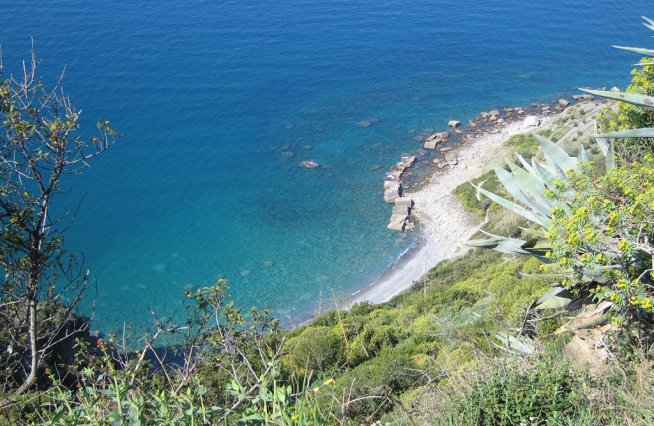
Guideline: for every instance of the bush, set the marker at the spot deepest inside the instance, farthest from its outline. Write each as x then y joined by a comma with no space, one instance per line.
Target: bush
317,349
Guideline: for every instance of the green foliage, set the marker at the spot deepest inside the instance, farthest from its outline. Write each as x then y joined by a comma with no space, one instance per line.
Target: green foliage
316,349
627,116
606,236
467,194
546,394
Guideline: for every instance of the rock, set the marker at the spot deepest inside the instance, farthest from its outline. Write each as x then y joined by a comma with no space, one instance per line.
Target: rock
397,170
587,354
410,226
472,123
308,147
364,123
440,162
484,115
494,113
615,89
376,167
453,123
563,102
391,184
419,138
309,164
531,121
269,263
287,155
430,145
403,210
428,130
396,223
290,126
246,273
391,194
404,201
408,161
446,149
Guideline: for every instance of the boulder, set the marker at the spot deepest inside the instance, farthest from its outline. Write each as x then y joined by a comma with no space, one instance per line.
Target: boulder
364,123
397,222
484,115
390,195
391,184
404,201
446,149
453,123
408,161
309,164
409,226
403,210
495,113
531,121
430,144
615,89
563,102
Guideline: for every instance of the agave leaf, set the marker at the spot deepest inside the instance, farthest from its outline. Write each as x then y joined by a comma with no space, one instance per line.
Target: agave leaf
502,244
645,132
639,50
555,155
644,101
515,344
607,151
583,156
523,187
559,297
528,167
648,23
515,208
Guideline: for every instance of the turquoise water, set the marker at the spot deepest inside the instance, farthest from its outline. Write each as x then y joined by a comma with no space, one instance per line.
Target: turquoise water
219,101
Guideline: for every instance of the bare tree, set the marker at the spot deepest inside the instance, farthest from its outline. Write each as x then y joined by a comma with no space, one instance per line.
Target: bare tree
42,284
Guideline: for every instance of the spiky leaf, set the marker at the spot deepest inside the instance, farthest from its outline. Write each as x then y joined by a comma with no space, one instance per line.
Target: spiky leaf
644,101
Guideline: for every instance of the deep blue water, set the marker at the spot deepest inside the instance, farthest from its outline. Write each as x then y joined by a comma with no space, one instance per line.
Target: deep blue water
211,96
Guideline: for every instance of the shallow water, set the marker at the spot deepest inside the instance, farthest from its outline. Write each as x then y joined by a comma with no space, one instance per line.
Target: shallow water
218,102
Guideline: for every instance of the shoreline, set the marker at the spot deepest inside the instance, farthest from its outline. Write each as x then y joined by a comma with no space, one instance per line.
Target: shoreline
443,224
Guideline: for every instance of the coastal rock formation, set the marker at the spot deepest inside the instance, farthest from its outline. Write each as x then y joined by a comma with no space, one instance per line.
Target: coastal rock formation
563,102
397,222
453,123
392,191
430,144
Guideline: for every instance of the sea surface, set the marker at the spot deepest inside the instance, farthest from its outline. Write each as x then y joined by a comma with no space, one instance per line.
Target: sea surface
218,101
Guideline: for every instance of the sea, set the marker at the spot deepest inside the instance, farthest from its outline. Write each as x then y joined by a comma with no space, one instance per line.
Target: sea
217,102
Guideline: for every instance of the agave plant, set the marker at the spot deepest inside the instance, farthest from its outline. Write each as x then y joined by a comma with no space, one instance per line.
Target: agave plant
529,183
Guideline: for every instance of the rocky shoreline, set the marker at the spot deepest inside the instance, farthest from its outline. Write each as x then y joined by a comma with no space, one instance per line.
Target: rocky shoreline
439,151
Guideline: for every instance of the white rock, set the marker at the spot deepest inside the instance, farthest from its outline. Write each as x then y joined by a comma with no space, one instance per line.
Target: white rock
531,121
454,123
404,201
430,145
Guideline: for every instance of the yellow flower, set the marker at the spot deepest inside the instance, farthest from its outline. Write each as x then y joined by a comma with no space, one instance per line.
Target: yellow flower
328,382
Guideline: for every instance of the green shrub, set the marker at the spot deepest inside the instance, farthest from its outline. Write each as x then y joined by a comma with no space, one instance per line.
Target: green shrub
515,394
317,349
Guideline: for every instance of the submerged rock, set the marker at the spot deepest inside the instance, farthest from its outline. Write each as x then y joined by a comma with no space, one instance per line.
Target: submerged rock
364,123
309,164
